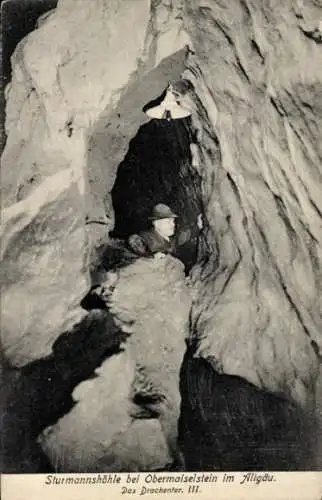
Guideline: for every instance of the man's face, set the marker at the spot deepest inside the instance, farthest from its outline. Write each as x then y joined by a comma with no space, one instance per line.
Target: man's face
165,227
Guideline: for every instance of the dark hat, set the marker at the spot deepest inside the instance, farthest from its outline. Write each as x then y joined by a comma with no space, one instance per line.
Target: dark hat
162,211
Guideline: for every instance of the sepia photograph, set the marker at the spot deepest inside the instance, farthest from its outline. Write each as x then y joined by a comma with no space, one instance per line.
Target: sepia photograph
161,239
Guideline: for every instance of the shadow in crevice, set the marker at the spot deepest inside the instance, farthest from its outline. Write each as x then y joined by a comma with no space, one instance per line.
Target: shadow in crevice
111,134
42,392
156,169
227,423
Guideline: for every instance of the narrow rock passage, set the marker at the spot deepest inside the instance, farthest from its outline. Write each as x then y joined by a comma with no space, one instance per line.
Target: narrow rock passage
157,169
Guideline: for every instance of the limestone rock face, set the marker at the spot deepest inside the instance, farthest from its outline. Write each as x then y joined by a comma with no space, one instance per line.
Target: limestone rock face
45,248
258,304
43,269
126,417
65,75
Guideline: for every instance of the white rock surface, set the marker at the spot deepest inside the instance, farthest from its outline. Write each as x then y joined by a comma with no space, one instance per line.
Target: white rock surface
61,84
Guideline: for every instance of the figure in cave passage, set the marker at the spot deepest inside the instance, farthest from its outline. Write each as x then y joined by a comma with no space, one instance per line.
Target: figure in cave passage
161,239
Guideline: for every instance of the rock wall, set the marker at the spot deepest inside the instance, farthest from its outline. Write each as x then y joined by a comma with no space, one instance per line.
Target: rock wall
46,124
258,306
61,85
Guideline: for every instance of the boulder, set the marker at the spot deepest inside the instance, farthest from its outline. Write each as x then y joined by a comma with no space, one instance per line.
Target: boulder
135,392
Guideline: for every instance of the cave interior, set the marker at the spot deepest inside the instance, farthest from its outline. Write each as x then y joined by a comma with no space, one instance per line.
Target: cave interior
237,429
157,168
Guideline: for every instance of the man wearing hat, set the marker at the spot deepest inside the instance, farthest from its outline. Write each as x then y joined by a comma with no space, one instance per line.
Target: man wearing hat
160,239
156,242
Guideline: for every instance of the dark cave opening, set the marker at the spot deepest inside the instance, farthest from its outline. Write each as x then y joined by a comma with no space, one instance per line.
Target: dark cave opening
158,169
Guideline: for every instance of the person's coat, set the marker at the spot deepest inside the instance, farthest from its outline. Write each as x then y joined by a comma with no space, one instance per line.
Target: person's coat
149,242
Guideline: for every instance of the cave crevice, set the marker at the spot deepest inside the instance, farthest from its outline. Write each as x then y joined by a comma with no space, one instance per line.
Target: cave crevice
157,168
